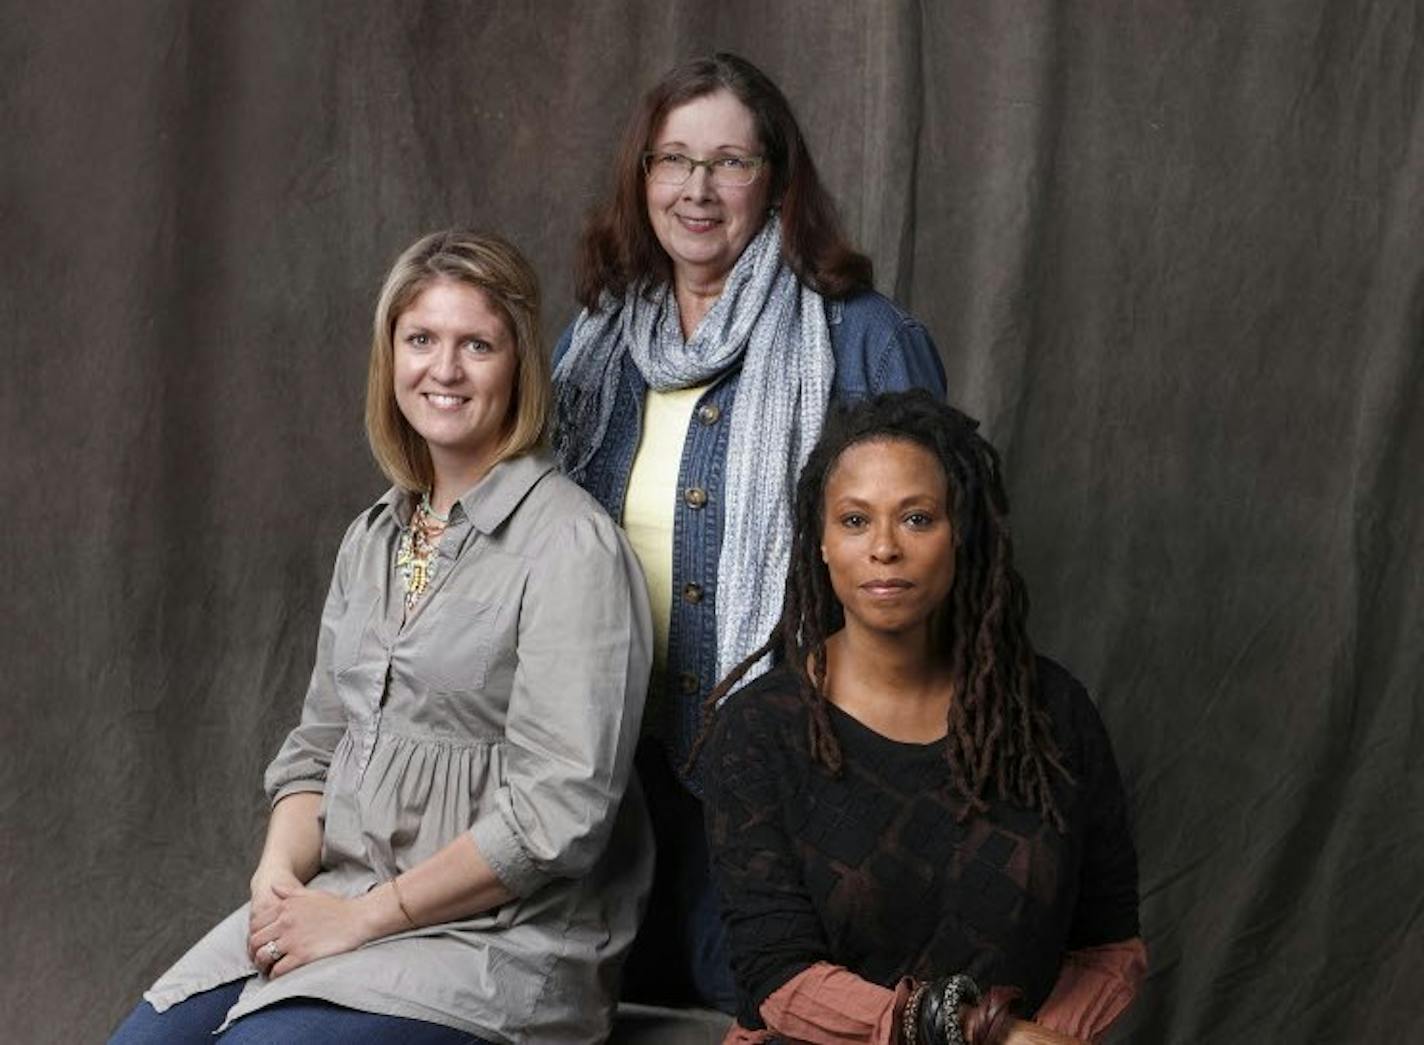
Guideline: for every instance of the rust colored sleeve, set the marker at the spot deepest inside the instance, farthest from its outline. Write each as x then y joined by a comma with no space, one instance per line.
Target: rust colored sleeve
1095,986
829,1005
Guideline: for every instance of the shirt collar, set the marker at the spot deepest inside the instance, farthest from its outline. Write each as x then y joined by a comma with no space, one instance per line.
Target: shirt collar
493,499
488,503
393,501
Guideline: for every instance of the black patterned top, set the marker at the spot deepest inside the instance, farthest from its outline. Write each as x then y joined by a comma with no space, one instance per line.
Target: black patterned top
872,870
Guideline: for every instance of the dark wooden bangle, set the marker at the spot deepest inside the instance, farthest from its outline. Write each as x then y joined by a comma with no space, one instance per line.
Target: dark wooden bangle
988,1022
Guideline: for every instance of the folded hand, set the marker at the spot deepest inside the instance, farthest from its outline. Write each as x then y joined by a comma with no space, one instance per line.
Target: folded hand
265,901
302,925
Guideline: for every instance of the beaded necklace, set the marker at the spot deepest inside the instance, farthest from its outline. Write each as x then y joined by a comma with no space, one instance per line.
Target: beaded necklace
416,555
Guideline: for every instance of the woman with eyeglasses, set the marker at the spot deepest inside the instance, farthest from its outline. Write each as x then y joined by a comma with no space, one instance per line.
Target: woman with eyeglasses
723,311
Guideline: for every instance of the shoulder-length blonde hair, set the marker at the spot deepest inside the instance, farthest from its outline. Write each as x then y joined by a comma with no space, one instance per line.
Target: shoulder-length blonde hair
494,266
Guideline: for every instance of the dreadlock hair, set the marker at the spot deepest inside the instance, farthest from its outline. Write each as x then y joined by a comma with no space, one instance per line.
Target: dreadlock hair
998,733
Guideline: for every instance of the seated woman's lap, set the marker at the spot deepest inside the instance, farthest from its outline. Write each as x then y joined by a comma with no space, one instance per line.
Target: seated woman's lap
302,1021
192,1020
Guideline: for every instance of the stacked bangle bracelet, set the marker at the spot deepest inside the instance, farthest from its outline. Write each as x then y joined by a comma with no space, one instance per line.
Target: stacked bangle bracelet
931,1015
909,1021
958,990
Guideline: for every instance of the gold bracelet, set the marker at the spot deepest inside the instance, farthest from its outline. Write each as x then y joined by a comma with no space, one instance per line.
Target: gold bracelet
401,903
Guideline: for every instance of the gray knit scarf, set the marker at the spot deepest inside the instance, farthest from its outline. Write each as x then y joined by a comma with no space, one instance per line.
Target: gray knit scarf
775,327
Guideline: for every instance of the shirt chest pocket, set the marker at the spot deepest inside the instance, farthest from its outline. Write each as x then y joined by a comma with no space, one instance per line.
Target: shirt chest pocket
350,636
455,645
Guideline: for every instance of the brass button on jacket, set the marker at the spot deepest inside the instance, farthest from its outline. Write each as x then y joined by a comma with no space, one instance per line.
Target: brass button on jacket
687,682
692,593
709,413
695,496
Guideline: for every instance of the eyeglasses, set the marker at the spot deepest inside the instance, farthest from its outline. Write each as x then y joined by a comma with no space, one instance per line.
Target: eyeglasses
673,168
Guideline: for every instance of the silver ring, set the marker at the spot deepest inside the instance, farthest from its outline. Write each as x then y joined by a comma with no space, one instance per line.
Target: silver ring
271,950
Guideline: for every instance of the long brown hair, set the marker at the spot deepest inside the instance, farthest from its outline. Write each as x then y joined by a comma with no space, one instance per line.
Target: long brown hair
999,733
618,249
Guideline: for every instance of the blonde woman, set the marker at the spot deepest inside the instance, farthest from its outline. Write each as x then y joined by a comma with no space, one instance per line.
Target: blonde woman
438,865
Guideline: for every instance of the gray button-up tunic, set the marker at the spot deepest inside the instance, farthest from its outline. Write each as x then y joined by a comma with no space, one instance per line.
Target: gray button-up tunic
507,704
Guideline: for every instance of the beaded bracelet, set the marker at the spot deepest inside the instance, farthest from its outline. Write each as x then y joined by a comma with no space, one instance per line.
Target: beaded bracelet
959,990
943,1013
910,1021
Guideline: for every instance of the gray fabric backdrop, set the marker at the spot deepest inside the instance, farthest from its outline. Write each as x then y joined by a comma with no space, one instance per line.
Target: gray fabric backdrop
1171,252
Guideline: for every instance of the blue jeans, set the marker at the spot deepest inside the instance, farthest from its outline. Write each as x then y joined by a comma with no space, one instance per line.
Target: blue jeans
301,1021
680,956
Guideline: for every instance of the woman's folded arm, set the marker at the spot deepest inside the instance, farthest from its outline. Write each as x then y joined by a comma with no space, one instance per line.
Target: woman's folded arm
575,710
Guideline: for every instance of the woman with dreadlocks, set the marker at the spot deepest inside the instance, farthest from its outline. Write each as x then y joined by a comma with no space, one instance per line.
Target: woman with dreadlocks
912,803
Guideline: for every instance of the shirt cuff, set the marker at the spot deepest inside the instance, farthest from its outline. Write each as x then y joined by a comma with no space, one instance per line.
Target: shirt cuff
830,1005
1095,986
507,857
298,787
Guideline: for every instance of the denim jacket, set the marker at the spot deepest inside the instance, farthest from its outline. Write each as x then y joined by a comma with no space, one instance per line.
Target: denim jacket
878,348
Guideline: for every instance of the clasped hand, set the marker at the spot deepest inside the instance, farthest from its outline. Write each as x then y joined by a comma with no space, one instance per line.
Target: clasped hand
291,925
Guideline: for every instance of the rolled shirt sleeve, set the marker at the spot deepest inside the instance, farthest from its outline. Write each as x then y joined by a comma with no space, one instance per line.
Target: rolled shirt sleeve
584,653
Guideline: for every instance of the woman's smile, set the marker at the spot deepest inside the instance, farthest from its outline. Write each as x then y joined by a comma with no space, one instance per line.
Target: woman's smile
455,364
703,227
697,224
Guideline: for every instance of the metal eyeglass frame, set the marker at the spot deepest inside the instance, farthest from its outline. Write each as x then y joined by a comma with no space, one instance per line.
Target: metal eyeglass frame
754,165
